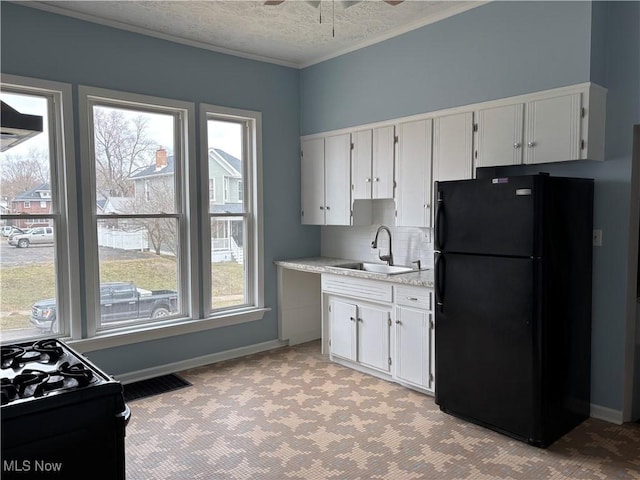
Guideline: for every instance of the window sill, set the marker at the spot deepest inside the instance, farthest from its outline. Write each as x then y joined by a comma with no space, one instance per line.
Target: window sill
121,337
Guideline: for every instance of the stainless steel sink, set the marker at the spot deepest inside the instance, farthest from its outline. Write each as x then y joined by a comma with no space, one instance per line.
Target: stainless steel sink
376,268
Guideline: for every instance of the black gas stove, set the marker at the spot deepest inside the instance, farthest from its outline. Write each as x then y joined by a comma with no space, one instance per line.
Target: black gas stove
62,417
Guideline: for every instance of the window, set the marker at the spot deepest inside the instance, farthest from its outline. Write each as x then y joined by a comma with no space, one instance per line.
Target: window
39,286
233,228
43,204
143,241
212,191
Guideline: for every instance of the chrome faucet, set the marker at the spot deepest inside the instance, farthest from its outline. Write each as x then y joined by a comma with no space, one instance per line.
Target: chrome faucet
374,244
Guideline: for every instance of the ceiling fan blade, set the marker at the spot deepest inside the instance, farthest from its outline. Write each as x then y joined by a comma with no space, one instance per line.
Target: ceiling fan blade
314,4
273,2
393,3
347,4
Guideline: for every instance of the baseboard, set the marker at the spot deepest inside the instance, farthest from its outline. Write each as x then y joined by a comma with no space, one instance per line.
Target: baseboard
146,373
606,414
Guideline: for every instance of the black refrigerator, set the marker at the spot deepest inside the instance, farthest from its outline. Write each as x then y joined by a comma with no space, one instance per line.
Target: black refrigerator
513,303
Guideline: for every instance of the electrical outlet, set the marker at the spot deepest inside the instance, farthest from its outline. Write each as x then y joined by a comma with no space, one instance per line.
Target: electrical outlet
597,238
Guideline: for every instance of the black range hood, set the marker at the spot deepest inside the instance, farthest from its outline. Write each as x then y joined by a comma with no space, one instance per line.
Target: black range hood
17,127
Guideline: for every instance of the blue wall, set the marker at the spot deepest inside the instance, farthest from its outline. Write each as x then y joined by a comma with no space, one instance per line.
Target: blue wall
43,45
494,51
499,50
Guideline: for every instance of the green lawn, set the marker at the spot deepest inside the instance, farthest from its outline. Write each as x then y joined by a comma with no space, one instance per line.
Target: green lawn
22,286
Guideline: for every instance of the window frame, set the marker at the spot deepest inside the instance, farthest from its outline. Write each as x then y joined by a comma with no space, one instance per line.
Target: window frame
64,194
187,260
252,205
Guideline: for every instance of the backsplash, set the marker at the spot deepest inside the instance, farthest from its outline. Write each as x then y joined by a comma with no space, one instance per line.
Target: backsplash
409,243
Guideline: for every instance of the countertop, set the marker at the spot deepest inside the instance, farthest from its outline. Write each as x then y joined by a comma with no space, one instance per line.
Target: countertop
419,278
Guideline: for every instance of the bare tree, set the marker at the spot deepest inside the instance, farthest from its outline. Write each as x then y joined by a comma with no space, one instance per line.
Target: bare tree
21,172
158,197
122,148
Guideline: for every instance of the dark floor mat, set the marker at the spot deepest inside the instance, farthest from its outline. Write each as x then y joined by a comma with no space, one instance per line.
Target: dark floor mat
153,386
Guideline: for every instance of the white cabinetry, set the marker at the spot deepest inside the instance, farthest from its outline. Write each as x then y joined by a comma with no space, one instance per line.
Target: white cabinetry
414,337
413,173
560,125
359,313
453,147
553,129
381,328
499,140
372,163
325,168
312,170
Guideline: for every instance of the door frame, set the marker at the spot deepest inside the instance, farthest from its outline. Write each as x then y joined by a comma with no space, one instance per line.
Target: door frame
631,397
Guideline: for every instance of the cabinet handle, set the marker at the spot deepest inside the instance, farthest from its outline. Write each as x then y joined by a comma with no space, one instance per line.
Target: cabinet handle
376,179
516,145
413,299
352,319
360,320
328,207
531,144
321,208
398,322
368,180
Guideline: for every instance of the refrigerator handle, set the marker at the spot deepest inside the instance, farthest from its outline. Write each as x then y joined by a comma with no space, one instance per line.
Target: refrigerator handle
439,267
438,220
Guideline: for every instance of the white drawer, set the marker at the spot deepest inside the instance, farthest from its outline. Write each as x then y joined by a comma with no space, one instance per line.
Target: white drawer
419,297
357,287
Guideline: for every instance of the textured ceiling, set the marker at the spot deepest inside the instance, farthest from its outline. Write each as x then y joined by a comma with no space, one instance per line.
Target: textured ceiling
290,33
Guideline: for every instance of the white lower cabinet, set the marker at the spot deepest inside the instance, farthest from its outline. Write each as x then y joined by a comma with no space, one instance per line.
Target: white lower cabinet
413,347
381,328
360,333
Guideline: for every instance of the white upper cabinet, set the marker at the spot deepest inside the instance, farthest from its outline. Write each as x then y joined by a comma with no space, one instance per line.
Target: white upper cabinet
312,170
453,147
554,126
382,162
553,129
500,131
361,164
413,173
372,163
337,174
326,180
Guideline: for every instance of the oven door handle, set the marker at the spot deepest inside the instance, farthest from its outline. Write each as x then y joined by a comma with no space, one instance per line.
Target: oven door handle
125,414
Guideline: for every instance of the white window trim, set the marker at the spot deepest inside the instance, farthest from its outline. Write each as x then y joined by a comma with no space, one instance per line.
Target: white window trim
253,197
189,256
26,204
63,185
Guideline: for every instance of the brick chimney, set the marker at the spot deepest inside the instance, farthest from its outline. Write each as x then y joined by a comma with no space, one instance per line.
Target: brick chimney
161,158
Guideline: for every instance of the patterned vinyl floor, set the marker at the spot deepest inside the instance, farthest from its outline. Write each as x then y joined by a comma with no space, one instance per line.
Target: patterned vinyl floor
291,414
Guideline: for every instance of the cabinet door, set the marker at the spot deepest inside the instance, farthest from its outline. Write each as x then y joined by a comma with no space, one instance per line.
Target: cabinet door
412,342
413,174
500,131
337,175
342,329
453,147
361,164
382,162
553,129
373,336
312,169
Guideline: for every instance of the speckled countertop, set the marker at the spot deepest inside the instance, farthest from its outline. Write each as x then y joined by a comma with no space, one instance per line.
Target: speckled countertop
422,278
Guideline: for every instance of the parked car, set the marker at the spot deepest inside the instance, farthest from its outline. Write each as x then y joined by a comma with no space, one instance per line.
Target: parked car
8,230
119,301
36,236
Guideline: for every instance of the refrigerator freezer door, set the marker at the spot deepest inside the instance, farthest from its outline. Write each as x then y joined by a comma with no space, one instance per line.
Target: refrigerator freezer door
485,348
488,216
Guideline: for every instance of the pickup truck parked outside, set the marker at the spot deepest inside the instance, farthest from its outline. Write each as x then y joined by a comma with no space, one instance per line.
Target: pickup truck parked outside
119,301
